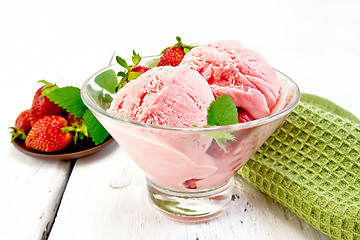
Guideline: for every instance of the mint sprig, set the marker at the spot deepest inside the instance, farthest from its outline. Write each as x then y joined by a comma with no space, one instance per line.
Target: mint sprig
69,98
222,111
103,99
107,80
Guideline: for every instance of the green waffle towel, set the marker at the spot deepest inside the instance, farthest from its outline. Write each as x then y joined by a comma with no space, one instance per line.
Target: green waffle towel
311,165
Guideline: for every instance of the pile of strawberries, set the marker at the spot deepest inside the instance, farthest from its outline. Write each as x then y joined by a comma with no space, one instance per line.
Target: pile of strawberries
46,127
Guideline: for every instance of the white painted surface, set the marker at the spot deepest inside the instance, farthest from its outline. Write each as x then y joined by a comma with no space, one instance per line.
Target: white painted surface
317,43
106,199
31,192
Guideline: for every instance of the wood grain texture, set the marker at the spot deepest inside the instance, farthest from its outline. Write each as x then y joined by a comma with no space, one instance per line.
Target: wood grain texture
32,190
106,198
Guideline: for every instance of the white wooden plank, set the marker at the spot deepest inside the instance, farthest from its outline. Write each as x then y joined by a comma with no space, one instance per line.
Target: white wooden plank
31,192
106,199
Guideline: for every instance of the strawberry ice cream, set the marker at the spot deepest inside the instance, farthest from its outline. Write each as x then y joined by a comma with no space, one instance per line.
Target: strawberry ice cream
169,96
180,97
231,68
189,168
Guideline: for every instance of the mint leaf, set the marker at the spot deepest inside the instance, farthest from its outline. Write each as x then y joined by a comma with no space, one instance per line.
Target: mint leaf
222,111
151,63
221,138
107,80
103,99
96,131
69,98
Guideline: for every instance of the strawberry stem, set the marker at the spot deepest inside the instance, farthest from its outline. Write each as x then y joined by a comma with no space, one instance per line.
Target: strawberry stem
185,47
17,133
79,130
127,75
47,88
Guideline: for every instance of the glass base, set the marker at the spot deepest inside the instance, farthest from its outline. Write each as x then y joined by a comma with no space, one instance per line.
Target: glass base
190,206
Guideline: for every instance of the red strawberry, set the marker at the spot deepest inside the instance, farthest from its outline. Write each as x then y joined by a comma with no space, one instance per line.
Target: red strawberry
172,56
140,69
243,116
47,135
22,125
191,183
71,119
41,105
77,126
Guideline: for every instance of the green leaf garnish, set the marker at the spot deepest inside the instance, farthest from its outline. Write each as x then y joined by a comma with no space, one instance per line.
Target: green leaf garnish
107,80
69,98
222,111
96,131
221,138
103,99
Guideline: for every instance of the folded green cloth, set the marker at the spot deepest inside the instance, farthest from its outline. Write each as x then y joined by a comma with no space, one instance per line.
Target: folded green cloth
311,165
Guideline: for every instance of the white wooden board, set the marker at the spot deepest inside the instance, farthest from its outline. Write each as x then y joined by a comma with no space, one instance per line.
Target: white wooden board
106,199
31,193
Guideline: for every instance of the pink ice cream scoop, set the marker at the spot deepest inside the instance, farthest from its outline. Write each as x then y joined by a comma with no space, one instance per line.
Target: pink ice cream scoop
168,96
231,68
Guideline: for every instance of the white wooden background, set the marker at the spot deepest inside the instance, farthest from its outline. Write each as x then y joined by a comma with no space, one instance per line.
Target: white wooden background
316,42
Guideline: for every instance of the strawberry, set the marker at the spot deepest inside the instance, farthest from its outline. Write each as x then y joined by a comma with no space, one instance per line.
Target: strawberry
140,69
191,183
71,119
131,72
77,126
41,105
47,135
243,116
22,125
172,56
